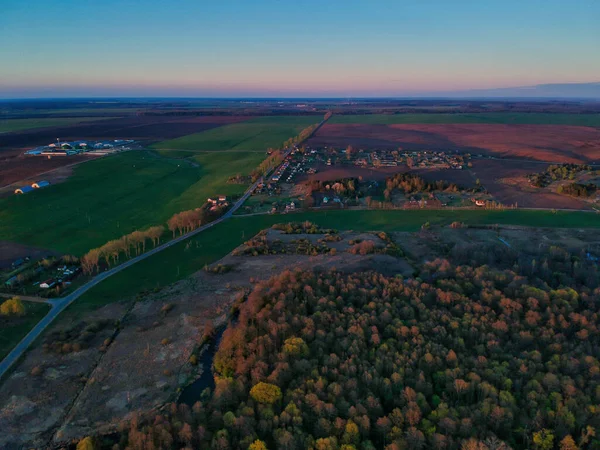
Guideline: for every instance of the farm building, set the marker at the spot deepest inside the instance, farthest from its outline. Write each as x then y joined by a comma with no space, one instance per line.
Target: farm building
40,184
48,284
23,190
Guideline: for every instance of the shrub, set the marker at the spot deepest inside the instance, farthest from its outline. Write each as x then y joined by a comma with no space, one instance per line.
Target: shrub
12,307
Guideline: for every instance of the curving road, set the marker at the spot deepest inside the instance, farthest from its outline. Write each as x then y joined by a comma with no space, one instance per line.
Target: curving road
60,304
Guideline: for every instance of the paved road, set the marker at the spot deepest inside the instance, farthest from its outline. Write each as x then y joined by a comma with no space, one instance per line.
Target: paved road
60,304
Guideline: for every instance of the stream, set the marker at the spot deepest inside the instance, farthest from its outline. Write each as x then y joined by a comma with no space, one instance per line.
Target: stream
191,393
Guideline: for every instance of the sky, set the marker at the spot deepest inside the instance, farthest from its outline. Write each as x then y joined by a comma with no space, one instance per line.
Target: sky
346,48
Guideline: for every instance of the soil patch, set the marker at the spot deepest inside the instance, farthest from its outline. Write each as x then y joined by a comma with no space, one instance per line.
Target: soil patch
11,251
35,398
507,182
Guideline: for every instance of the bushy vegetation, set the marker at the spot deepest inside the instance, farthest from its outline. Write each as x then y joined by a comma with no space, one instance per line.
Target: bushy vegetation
305,227
219,268
74,339
557,172
260,245
578,189
410,183
12,307
465,357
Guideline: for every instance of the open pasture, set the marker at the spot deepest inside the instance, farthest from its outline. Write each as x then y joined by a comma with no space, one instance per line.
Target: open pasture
102,200
574,144
256,134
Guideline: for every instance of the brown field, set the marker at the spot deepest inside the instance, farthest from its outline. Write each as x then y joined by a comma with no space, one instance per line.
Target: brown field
553,143
14,167
328,173
507,182
138,128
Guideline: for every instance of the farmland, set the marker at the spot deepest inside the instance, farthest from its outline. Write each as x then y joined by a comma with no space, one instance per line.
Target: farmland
539,142
256,134
14,125
14,167
586,120
140,128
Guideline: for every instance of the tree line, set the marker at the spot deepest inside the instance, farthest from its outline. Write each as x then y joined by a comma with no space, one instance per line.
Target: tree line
134,242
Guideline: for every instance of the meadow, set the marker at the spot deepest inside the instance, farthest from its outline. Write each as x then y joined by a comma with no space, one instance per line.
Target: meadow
11,125
102,200
187,257
13,329
588,120
256,134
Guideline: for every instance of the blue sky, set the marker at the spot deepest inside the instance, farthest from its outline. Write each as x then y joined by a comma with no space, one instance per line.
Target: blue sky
268,47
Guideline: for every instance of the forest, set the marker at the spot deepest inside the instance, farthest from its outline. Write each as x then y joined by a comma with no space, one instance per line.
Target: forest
465,356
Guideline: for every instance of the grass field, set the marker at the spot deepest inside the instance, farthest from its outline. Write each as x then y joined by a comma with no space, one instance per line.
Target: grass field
8,125
255,134
187,257
103,199
589,120
13,329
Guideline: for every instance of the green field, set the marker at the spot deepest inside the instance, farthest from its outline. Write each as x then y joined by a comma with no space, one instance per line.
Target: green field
112,196
8,125
257,134
589,120
187,257
102,200
13,329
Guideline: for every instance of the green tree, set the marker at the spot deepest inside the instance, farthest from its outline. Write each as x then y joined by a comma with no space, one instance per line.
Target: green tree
265,393
87,443
543,440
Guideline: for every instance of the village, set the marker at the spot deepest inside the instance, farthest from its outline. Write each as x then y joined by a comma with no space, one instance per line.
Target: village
44,277
326,177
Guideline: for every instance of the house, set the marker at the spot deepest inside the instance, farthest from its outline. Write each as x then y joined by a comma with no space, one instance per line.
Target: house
222,198
48,283
23,190
40,184
18,262
480,202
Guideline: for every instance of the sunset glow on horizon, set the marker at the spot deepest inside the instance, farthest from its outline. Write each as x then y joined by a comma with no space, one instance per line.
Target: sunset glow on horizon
314,48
